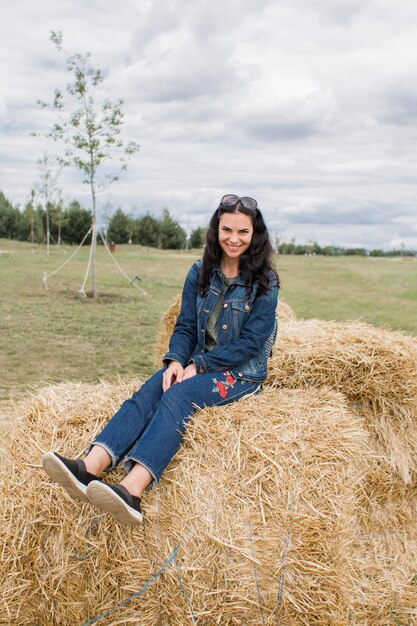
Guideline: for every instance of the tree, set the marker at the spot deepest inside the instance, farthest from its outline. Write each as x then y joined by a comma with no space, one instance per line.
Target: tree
76,224
10,218
91,135
58,217
48,190
173,237
31,224
119,229
146,231
355,252
197,237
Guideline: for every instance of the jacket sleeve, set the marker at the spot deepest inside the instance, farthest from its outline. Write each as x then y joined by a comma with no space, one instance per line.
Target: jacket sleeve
252,341
183,340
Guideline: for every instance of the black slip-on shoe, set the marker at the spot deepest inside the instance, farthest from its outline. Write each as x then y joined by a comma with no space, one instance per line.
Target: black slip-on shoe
69,473
115,500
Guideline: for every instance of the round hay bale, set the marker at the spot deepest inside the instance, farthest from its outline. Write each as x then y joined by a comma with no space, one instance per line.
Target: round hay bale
391,503
167,327
376,369
385,563
260,499
256,525
63,562
284,312
335,546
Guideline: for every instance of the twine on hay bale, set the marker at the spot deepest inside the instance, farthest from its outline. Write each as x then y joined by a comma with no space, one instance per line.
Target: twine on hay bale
376,369
284,312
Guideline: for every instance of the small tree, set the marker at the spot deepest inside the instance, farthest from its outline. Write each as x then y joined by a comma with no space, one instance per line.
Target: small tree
90,134
48,191
59,218
31,226
10,219
197,237
119,228
173,236
147,231
76,223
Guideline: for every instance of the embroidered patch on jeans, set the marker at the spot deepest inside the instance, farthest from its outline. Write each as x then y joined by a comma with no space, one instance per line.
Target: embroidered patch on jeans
222,387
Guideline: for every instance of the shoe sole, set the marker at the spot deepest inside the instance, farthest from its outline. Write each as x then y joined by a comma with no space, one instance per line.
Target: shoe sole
60,474
107,500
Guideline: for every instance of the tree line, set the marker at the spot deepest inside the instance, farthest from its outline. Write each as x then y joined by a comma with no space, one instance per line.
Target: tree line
314,248
69,224
147,230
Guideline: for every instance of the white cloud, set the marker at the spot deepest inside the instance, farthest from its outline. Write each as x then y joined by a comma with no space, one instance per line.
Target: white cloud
310,107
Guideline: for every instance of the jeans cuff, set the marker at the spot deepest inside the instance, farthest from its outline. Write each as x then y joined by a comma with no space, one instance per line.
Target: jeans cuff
128,463
114,459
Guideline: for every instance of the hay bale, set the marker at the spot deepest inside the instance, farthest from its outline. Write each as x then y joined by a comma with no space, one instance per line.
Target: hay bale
385,563
284,312
62,562
263,515
263,512
167,326
376,369
303,511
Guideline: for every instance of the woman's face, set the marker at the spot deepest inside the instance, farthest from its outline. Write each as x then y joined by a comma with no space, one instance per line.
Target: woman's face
235,234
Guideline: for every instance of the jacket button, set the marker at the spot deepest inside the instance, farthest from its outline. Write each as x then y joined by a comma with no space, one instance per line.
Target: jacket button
246,307
240,374
224,326
201,370
225,305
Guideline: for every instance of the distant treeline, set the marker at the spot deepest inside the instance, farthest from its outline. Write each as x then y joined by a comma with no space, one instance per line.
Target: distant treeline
69,224
314,248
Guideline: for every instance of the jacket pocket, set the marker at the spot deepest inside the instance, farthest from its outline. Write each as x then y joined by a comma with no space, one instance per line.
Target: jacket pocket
240,312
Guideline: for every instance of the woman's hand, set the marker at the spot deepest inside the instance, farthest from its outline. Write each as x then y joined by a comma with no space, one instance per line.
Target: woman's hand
173,374
190,371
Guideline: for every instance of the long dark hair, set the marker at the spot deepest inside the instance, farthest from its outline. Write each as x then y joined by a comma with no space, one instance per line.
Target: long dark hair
254,264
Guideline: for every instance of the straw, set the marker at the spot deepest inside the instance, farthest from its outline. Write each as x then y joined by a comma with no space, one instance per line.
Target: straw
376,369
259,498
294,506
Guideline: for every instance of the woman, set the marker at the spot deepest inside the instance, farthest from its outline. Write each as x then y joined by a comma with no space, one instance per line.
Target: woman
217,354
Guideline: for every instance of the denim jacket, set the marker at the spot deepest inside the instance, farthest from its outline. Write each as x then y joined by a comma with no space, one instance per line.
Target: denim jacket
247,327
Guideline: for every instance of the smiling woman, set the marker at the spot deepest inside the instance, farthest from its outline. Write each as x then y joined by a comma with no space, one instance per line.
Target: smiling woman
235,236
217,355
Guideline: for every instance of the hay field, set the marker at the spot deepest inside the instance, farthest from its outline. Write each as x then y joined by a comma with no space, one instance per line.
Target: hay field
60,336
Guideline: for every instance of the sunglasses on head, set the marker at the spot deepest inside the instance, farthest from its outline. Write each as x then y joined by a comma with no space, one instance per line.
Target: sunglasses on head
231,200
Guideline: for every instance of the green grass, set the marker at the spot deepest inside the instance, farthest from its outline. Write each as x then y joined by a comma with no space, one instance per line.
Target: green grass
55,336
381,291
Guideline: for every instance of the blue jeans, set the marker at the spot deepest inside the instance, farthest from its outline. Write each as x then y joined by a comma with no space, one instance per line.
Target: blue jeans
148,428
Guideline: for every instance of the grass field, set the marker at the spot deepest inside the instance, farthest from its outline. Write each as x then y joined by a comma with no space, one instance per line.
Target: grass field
55,336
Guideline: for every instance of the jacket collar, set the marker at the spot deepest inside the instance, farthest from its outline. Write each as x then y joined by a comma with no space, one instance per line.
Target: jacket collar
240,277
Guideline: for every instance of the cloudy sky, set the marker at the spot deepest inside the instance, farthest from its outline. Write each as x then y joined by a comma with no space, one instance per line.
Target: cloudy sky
310,106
